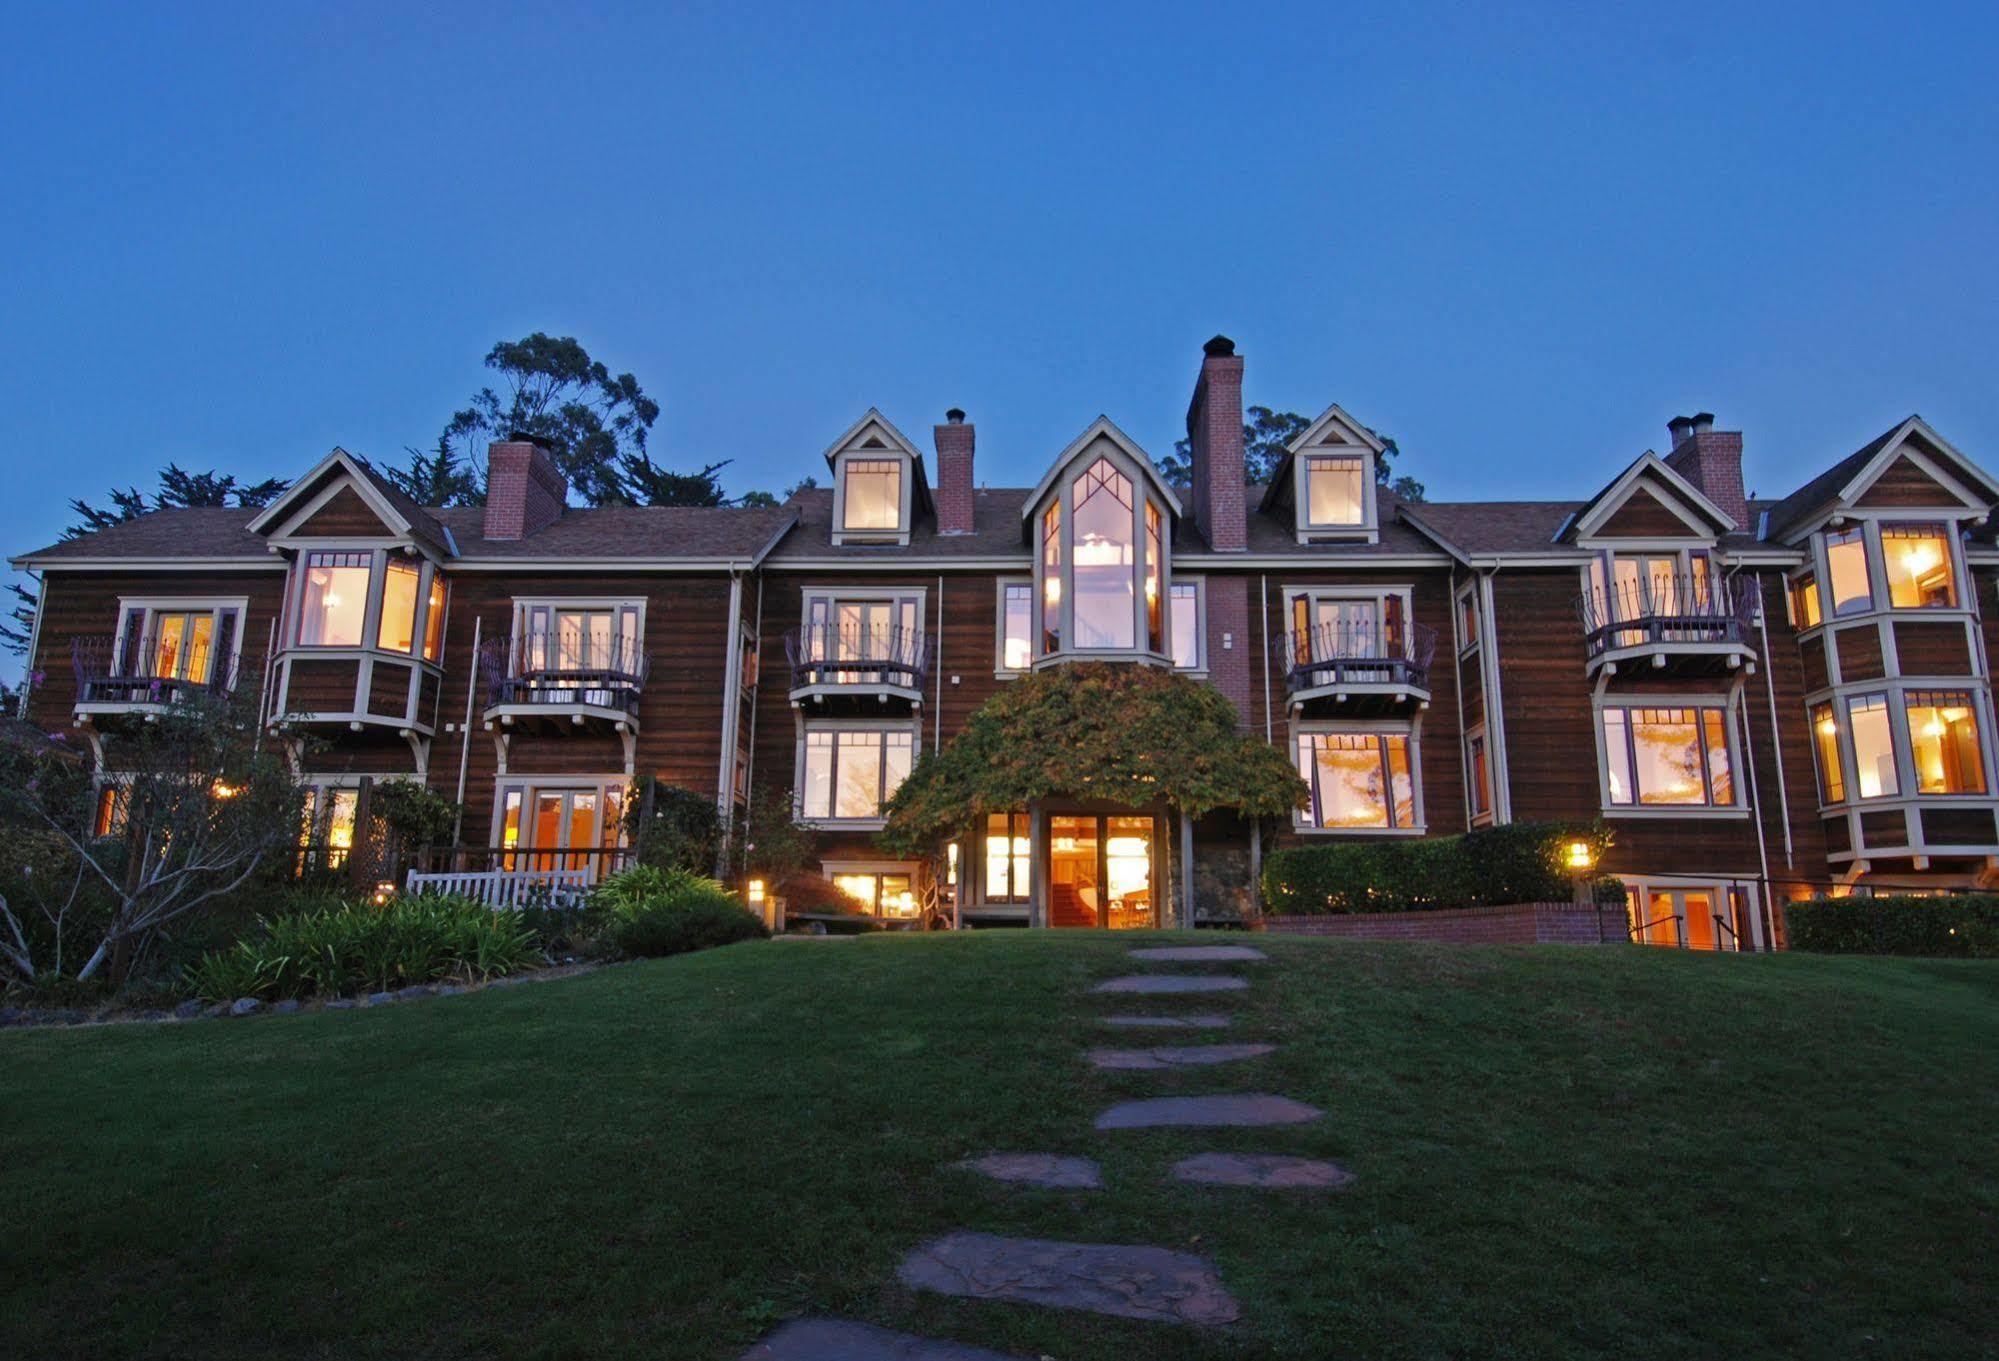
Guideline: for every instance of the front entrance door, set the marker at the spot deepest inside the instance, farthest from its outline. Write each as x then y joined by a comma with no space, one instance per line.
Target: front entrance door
1100,871
1696,918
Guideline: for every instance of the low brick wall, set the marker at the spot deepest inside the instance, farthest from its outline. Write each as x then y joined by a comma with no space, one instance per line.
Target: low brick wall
1509,924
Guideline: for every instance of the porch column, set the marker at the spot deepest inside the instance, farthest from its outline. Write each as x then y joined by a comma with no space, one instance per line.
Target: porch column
1037,846
1186,870
1256,865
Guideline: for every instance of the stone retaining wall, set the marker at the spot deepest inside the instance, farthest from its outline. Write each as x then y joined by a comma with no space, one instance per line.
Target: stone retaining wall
1509,924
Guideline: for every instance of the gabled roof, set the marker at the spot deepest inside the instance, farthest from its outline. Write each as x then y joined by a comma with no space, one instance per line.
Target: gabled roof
890,441
199,533
1606,503
1311,437
1843,483
1105,428
401,514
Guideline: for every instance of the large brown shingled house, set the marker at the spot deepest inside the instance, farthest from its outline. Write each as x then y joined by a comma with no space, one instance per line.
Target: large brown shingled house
1762,698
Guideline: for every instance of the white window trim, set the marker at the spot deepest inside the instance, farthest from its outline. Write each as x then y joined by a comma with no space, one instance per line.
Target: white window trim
1413,730
1731,733
1870,523
214,606
1199,667
1062,493
1896,691
1647,884
1310,531
1473,817
1000,669
897,535
1466,595
371,614
524,604
806,726
530,785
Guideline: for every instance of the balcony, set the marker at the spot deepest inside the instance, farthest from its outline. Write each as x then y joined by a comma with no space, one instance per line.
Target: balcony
130,680
828,662
563,680
1682,623
1354,668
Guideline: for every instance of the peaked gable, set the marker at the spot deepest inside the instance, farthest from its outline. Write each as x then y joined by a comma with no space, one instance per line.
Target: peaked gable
1910,465
1333,431
363,503
344,516
1648,500
1102,428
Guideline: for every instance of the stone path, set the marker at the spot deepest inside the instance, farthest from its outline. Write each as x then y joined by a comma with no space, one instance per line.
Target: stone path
1181,1056
832,1339
1103,1278
1235,1109
1173,982
1200,954
1203,1022
1260,1169
1037,1169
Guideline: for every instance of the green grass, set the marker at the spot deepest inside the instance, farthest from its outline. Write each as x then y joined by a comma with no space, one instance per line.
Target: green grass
1560,1153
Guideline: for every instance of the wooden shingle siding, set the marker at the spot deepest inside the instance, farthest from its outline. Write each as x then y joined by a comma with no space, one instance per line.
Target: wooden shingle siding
1859,650
1932,649
344,516
1644,516
1812,652
320,685
389,690
1903,484
1958,826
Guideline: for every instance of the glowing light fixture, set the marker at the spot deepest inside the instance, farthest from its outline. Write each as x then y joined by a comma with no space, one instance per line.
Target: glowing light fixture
756,892
1580,856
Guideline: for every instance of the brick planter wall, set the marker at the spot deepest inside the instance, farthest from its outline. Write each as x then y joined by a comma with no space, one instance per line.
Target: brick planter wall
1509,924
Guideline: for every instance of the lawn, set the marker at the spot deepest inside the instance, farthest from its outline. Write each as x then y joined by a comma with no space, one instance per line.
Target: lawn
1559,1153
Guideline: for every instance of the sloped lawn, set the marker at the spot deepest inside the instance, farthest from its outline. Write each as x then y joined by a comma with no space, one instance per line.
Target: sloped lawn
1559,1153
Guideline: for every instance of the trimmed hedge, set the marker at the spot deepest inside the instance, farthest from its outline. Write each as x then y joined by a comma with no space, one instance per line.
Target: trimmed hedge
659,911
1962,926
1521,862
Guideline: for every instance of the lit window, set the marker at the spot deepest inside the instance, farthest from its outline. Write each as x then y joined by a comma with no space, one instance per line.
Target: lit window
1155,626
1668,757
433,623
1007,849
1468,617
1873,747
1016,625
113,802
1825,742
1846,564
851,772
397,632
334,599
340,807
1102,607
882,637
1358,780
1480,774
1334,490
571,642
874,494
1051,578
1805,601
1943,739
1186,625
561,827
1917,558
879,895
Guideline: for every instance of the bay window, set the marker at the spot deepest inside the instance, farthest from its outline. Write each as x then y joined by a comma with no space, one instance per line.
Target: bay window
1805,609
1104,553
1102,556
333,600
849,771
1666,757
1917,564
1873,746
1360,780
398,629
1051,578
433,623
1846,566
1008,846
1943,740
1825,744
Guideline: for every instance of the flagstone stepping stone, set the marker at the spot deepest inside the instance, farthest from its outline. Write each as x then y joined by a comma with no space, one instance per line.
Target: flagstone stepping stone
1102,1278
1199,954
1261,1169
1253,1108
834,1339
1177,1056
1172,982
1193,1022
1037,1169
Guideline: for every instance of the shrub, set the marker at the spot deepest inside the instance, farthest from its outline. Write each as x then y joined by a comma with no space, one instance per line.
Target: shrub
368,947
1965,927
655,911
1521,862
683,832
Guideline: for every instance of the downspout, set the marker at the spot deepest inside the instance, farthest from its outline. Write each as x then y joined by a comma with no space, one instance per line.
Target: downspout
1776,748
35,644
465,734
1755,798
1495,704
937,661
731,693
1458,689
750,770
1263,585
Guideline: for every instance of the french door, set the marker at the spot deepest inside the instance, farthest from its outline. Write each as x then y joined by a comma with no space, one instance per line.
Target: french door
1101,871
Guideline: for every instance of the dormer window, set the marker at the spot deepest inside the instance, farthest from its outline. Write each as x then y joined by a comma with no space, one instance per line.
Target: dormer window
1103,566
874,495
1335,491
1106,551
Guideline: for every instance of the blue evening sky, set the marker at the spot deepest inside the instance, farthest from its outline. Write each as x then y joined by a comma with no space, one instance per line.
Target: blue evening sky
1518,238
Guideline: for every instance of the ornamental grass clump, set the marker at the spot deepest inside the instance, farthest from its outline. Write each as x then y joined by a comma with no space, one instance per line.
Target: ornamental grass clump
358,947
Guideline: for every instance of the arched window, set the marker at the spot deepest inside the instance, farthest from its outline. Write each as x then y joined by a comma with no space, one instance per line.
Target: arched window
1103,573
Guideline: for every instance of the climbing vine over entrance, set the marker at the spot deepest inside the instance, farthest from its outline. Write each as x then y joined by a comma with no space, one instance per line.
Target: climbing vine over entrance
1131,735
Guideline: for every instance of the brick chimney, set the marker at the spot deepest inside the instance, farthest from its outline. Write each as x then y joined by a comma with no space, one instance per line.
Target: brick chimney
1214,433
954,473
1712,460
524,491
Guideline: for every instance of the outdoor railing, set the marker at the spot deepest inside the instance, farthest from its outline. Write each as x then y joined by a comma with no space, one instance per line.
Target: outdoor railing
564,668
1357,654
594,863
109,671
1678,608
824,654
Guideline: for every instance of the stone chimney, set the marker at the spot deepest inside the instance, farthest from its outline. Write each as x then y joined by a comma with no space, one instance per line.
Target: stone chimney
954,473
525,493
1214,433
1711,459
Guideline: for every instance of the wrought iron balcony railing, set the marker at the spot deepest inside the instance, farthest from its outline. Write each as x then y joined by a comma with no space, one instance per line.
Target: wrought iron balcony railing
114,671
564,668
1357,654
824,654
1668,609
